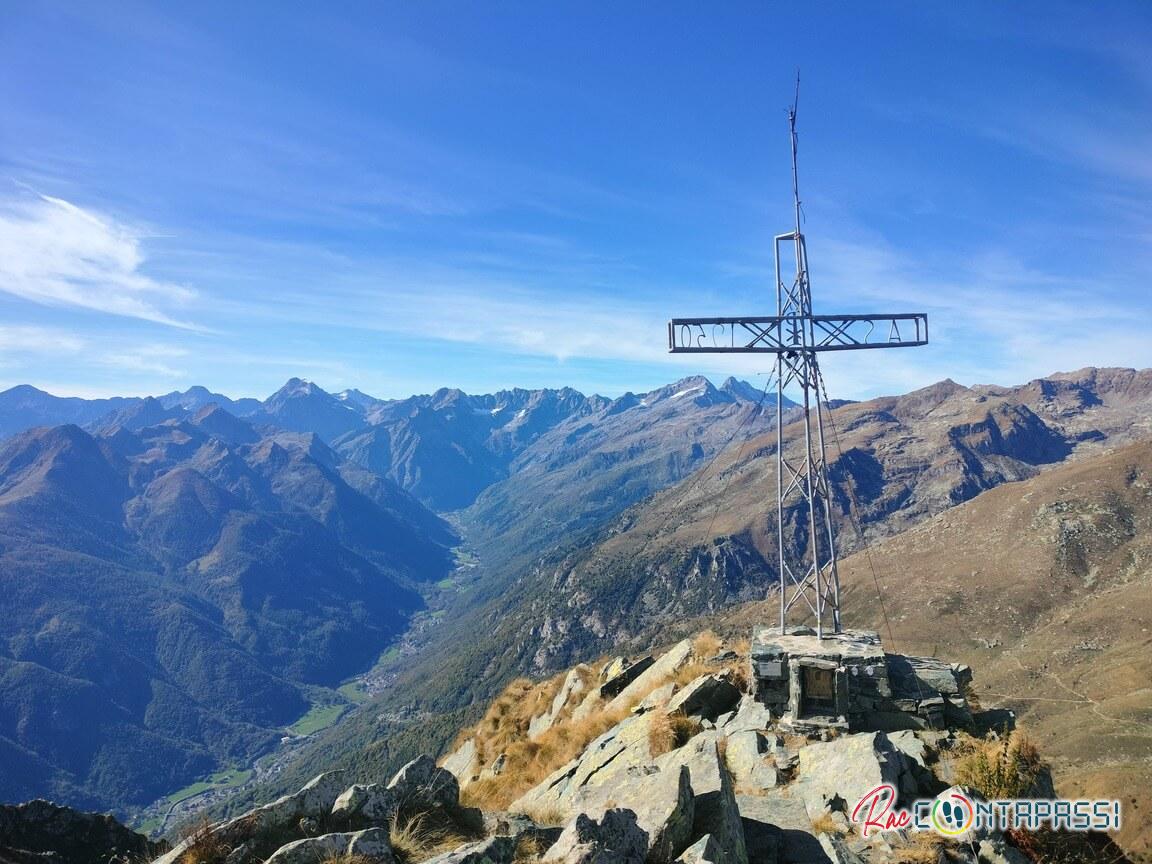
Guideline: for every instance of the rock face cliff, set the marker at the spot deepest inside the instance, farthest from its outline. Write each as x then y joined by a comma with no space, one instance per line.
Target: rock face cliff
40,831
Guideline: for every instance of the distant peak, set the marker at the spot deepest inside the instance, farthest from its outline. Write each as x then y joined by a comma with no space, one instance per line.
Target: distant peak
297,387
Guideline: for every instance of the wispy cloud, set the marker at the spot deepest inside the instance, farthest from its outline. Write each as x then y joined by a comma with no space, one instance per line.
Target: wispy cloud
24,340
154,359
55,253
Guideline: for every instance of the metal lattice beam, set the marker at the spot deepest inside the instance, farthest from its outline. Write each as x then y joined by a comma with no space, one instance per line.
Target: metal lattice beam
746,334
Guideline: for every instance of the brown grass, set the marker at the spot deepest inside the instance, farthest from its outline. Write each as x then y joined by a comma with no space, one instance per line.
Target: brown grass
825,824
999,769
547,815
204,847
419,837
668,732
530,847
349,859
707,644
504,727
924,847
527,762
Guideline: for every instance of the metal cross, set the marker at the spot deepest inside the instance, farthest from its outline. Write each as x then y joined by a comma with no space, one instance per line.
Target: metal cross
808,565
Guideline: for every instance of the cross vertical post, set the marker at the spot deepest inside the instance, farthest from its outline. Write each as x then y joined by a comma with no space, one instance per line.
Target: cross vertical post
808,576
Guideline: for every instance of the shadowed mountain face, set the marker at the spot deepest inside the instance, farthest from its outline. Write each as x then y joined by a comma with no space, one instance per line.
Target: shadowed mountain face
168,592
587,469
448,447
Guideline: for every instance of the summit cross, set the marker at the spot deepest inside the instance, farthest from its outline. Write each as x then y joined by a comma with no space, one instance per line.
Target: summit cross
807,573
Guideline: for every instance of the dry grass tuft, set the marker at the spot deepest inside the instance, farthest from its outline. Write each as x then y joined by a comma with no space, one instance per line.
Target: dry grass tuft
548,815
530,847
417,838
204,847
706,645
349,859
825,824
924,847
668,732
999,769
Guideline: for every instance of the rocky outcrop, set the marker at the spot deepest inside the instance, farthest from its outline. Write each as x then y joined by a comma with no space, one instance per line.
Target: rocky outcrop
615,839
708,696
314,799
66,836
748,760
716,811
663,802
669,663
494,850
371,844
749,715
836,774
418,786
349,821
568,693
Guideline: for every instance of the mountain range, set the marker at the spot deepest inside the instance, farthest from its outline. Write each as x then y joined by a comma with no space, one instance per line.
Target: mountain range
706,544
593,523
172,592
184,571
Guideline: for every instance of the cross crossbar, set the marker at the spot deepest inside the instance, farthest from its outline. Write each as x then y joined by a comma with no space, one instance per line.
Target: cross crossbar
774,335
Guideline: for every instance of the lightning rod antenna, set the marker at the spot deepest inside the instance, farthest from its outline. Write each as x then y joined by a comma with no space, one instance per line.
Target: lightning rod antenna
795,169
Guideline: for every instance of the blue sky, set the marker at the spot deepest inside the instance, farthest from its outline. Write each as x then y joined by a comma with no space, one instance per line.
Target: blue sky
402,196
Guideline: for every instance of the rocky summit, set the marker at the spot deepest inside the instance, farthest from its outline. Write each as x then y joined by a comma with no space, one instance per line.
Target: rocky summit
668,757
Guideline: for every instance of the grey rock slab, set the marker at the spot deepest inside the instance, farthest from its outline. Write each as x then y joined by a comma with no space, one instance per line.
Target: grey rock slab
837,850
615,685
746,757
371,844
614,839
462,762
703,851
668,663
836,774
708,696
778,810
663,802
371,802
422,780
996,851
493,850
716,810
623,746
750,715
656,698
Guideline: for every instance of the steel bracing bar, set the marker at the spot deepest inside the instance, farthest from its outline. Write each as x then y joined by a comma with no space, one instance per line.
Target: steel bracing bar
776,335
